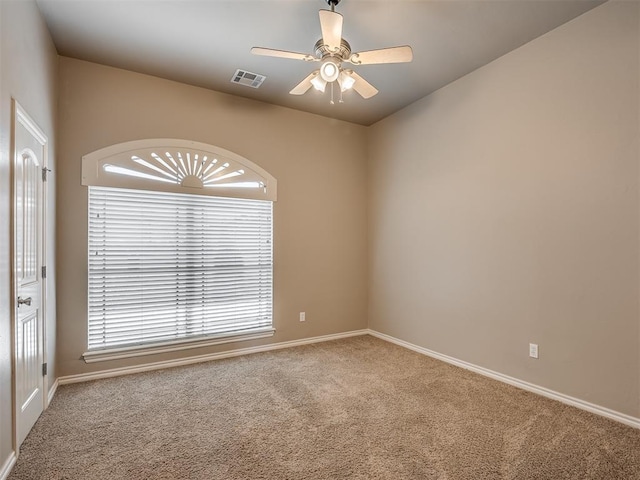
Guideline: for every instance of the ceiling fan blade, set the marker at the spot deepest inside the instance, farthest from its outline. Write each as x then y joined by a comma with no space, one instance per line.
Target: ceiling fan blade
331,25
270,52
364,88
304,85
384,55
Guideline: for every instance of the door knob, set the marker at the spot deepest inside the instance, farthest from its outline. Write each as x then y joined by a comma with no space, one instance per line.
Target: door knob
24,301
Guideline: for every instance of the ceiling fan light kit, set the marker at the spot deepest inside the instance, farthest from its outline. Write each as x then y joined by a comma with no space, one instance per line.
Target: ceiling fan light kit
332,50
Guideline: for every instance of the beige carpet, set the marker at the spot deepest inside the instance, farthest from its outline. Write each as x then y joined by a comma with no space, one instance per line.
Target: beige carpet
358,408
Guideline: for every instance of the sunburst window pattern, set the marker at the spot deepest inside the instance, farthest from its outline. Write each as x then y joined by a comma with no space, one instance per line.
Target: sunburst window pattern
178,166
187,169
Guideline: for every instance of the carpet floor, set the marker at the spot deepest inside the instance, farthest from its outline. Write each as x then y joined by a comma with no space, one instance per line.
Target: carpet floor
358,408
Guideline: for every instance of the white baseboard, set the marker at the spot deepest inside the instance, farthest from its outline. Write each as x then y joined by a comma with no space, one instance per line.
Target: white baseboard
52,391
116,372
545,392
8,465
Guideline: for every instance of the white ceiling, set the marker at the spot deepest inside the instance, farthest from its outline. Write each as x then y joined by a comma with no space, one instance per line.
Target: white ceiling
203,42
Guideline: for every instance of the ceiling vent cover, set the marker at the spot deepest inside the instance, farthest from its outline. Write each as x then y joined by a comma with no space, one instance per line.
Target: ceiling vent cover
248,79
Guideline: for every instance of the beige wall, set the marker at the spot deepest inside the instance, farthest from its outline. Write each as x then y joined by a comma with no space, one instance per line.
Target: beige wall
504,210
28,64
319,225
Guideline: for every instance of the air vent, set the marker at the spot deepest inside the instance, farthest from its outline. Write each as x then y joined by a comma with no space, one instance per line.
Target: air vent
248,79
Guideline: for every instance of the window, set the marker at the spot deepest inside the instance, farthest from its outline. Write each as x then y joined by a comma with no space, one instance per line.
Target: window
180,248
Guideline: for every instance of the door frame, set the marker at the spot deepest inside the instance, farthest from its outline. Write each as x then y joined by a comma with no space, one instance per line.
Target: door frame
20,116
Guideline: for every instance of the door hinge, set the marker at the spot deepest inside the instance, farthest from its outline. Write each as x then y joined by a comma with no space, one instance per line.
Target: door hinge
44,173
43,272
44,369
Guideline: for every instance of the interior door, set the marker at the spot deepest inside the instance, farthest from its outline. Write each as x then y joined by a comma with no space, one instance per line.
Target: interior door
29,155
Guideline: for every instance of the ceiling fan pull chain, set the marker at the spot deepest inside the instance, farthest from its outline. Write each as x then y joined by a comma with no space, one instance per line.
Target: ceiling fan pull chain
332,102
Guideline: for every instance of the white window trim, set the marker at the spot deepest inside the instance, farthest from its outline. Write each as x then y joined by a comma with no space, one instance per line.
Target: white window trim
173,346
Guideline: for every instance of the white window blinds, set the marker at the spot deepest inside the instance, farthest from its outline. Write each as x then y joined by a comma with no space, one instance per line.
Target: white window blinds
166,266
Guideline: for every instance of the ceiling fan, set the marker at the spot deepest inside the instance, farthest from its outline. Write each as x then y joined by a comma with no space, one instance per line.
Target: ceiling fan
332,51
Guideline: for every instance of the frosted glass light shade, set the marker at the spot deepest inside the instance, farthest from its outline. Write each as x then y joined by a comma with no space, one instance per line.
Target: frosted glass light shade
319,83
329,71
346,81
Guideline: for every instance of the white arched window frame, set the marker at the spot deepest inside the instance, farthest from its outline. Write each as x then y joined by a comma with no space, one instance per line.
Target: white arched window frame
179,166
128,182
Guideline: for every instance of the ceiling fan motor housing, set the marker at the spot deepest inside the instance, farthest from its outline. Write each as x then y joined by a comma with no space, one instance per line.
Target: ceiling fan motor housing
343,53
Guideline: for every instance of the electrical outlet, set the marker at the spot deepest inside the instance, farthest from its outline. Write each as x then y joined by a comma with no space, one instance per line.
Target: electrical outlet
533,350
303,317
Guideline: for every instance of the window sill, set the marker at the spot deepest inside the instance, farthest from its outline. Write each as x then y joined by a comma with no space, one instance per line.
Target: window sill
166,347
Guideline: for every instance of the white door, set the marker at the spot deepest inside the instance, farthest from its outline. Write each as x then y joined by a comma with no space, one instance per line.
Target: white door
29,157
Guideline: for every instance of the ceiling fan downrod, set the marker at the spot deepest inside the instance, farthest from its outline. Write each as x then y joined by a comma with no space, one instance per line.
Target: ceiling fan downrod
332,4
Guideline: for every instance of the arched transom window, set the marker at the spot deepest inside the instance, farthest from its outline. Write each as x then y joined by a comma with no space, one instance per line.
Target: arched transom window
177,166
